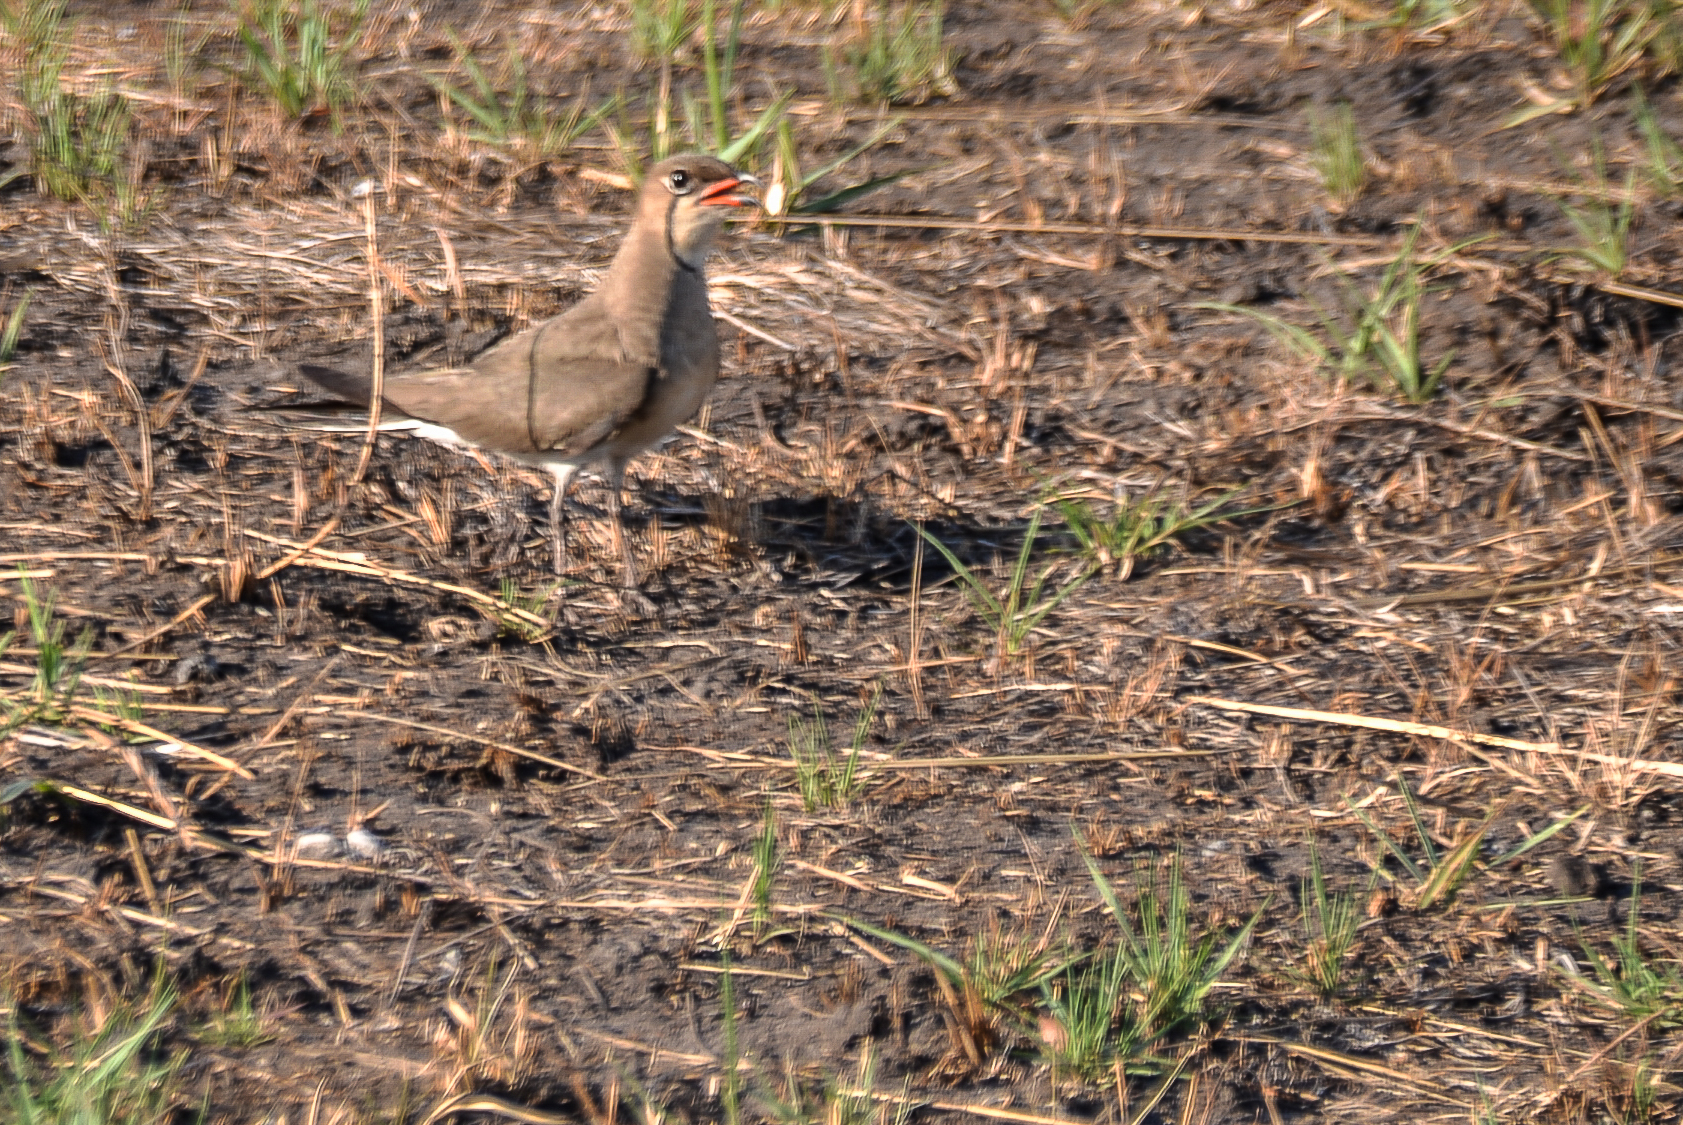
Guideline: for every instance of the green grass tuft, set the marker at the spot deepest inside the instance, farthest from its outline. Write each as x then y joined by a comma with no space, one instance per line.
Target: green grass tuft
1336,153
903,58
1330,922
504,113
659,28
1438,876
767,859
1596,41
825,779
1634,983
110,1074
1374,335
1603,229
240,1024
1018,607
300,55
1138,527
78,145
58,663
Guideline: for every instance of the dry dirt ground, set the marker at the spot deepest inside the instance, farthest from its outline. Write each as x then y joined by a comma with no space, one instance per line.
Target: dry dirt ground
559,810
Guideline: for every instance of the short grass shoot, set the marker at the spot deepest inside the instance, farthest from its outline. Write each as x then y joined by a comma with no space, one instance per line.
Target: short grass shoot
1093,1010
1375,334
730,1089
1635,982
1336,152
672,117
1015,606
900,56
78,143
111,1071
239,1023
826,779
1596,42
768,858
506,115
1438,875
1137,527
1664,169
659,28
1601,224
58,663
492,1042
998,982
839,1101
1118,1006
300,54
523,615
1330,921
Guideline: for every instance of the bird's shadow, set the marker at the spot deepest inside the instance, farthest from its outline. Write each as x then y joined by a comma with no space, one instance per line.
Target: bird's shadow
840,541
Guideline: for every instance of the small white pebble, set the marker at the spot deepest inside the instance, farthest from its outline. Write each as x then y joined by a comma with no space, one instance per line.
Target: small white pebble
317,845
364,844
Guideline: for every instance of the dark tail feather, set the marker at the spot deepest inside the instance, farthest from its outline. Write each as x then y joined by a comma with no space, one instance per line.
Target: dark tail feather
353,389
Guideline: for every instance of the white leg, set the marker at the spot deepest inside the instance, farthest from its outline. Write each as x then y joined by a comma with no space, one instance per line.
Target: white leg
558,545
616,484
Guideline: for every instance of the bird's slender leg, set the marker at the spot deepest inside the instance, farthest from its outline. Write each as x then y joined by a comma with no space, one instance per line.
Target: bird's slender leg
557,529
616,484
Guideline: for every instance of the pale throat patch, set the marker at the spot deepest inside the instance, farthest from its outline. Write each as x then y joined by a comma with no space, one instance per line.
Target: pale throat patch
694,230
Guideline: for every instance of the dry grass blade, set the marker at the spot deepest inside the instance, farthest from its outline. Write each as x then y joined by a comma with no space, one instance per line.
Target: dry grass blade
1355,1064
1451,869
506,747
1396,726
1428,730
308,554
134,726
488,1103
77,793
168,626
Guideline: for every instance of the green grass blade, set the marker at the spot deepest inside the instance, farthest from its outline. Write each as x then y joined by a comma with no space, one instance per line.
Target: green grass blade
989,606
1390,845
949,966
1294,338
841,198
14,326
1419,825
1447,876
1108,893
767,120
1532,841
1032,618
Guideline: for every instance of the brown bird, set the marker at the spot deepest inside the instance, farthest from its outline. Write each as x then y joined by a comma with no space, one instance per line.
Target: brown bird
603,381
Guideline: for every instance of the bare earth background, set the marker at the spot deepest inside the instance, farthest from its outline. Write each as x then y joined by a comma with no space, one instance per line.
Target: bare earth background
568,802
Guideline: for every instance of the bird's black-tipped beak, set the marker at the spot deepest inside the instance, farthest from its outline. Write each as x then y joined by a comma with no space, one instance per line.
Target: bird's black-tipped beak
724,194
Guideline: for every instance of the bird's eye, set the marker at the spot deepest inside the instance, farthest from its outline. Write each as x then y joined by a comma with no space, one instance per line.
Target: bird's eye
678,182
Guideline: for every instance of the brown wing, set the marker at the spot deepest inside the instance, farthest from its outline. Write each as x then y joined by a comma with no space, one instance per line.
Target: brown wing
558,387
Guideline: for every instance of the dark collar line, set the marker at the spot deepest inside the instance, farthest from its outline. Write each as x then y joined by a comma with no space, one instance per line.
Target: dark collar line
671,243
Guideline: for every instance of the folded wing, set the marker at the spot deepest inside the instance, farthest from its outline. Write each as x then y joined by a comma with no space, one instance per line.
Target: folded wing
559,388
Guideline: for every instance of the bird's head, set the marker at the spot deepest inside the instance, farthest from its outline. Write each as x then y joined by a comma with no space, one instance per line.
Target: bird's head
689,197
